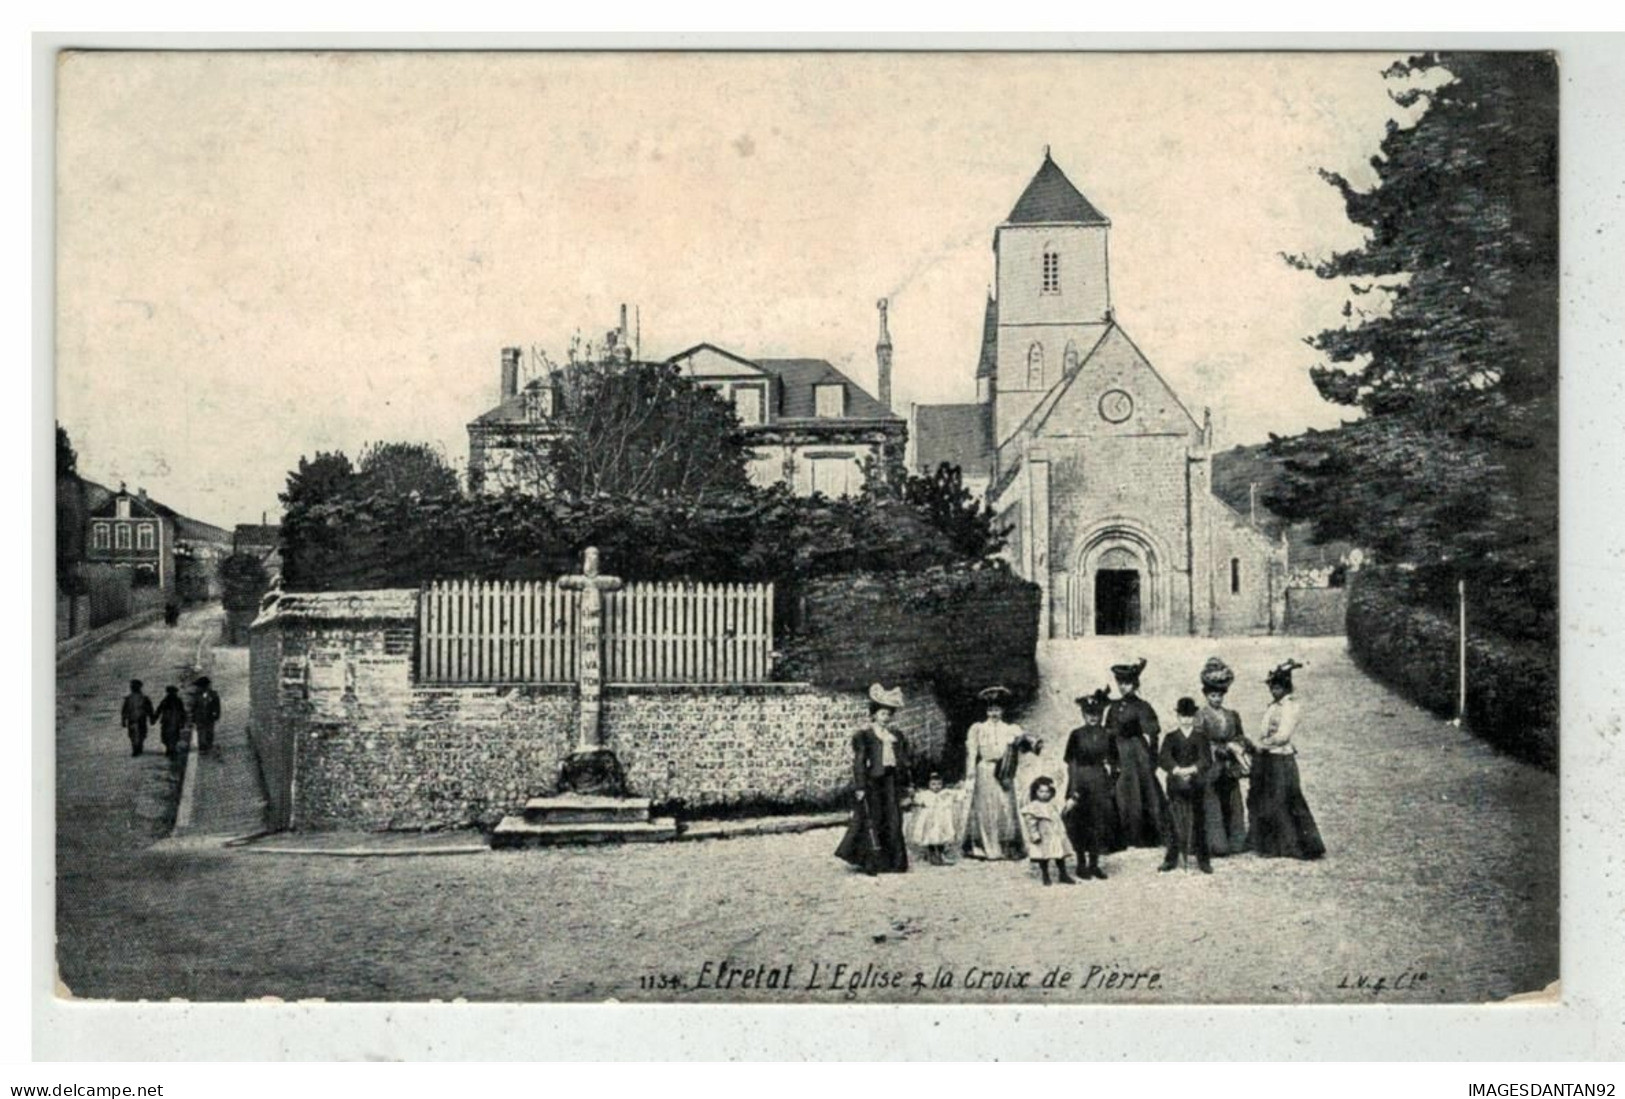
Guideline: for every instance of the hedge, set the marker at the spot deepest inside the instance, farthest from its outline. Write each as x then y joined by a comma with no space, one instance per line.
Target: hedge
952,630
1512,685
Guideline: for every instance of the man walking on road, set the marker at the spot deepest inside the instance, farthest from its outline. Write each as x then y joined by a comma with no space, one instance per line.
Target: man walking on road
171,719
205,713
137,713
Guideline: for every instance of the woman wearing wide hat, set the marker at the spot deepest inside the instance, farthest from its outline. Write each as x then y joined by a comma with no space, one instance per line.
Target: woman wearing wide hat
1282,824
1091,815
1224,808
1136,735
880,768
991,750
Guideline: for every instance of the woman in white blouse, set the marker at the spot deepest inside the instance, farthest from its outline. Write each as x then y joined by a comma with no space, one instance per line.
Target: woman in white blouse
992,831
1282,826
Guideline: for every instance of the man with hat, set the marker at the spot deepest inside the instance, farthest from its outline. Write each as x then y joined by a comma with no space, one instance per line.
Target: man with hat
992,831
1091,816
1136,734
205,713
1224,809
135,715
171,720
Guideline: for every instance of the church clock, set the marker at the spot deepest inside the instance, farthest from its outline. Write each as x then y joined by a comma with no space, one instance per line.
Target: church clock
1116,406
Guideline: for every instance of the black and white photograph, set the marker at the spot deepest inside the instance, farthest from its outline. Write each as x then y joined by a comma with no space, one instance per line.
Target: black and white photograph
837,528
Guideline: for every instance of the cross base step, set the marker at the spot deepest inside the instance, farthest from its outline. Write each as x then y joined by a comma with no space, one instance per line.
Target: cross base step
585,809
516,831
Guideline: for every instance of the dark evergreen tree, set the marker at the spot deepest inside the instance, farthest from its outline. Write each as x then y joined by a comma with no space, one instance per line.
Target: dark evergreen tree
1450,349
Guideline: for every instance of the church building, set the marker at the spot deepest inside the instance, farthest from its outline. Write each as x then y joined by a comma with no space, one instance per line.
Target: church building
1082,449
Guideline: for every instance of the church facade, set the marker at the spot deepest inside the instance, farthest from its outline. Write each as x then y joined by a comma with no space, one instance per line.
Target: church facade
1081,448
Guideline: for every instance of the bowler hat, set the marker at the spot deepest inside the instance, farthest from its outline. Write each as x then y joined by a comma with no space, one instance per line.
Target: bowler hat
1185,707
880,696
203,681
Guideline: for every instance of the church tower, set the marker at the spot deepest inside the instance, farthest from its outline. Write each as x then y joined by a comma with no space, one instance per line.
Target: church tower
1053,295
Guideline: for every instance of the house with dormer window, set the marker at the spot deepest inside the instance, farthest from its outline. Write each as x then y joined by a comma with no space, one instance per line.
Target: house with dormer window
131,531
808,425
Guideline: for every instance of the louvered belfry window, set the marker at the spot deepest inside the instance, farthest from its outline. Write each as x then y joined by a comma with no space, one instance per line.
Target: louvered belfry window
1052,272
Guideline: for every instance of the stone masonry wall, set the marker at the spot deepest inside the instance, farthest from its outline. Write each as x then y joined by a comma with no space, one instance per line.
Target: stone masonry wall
348,739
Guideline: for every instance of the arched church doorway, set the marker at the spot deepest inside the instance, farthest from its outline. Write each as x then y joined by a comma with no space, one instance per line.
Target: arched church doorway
1117,595
1118,586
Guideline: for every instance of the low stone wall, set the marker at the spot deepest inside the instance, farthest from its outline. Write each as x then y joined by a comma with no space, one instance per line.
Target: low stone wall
1316,612
348,739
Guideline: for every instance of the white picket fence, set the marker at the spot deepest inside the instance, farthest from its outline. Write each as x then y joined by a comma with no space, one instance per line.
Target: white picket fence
525,632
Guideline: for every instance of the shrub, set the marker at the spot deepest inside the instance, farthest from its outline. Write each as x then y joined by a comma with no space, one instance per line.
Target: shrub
953,630
1512,684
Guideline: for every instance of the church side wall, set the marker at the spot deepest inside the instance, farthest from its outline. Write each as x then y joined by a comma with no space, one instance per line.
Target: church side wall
348,739
1249,605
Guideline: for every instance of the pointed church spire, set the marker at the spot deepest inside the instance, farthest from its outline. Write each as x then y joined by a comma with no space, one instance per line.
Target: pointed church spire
1051,197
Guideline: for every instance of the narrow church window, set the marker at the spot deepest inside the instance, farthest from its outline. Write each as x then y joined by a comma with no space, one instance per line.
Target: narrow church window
1235,576
1069,360
1035,366
1052,272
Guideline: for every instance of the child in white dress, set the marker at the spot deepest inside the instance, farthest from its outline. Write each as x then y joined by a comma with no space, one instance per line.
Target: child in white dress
936,820
1046,834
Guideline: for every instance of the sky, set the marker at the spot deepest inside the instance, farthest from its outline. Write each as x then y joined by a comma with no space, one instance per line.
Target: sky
264,255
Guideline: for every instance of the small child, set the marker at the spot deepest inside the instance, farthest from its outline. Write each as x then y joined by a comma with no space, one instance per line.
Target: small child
936,823
1046,835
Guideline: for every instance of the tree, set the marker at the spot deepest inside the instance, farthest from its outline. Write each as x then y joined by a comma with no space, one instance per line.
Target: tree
1450,349
243,580
638,430
312,544
398,469
72,515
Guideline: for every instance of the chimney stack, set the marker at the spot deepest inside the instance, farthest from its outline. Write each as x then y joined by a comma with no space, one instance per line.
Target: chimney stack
883,358
510,372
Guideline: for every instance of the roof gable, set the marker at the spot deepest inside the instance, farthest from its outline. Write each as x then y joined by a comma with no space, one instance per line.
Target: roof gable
1115,364
1050,198
705,360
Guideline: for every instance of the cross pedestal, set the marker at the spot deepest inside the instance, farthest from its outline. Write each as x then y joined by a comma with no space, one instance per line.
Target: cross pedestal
592,767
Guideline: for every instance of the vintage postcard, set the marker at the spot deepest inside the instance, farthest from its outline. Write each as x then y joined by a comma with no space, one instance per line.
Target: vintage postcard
807,528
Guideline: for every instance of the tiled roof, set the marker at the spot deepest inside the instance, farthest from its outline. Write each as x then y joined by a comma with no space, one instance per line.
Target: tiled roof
988,364
959,434
798,377
1050,197
258,534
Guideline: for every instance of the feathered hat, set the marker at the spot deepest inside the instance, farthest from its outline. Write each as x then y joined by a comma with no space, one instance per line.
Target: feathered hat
1281,674
1128,673
1095,702
1216,675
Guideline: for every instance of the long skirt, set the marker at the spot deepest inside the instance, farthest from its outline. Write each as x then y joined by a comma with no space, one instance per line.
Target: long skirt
992,830
874,839
1092,823
1225,813
1282,825
1141,806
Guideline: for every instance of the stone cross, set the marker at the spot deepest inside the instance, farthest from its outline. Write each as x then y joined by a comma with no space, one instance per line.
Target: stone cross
590,644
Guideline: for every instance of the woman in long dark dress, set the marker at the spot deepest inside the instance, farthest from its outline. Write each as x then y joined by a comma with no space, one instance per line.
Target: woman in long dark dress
1224,808
1137,734
1282,825
880,767
1091,813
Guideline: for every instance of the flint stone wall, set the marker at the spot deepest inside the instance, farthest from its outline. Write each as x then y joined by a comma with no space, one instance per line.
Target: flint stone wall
348,739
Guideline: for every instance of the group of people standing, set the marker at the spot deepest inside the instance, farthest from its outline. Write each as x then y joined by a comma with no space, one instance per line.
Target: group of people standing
1102,792
171,716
